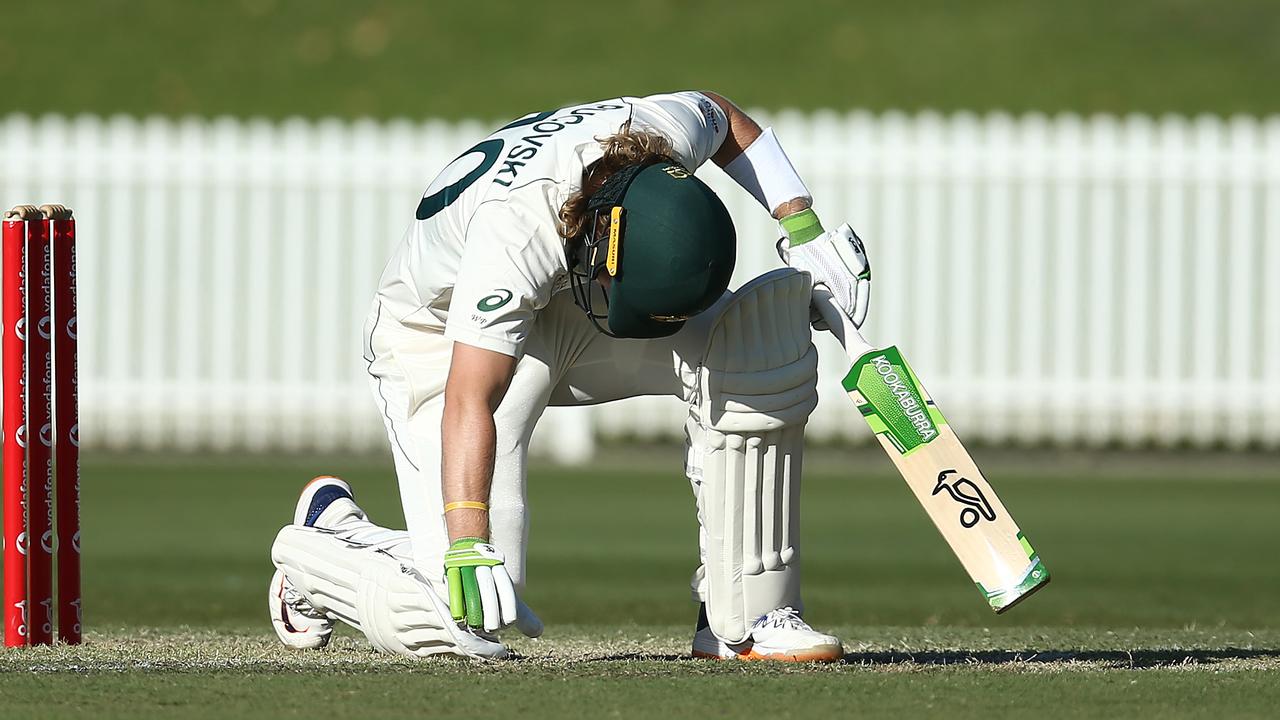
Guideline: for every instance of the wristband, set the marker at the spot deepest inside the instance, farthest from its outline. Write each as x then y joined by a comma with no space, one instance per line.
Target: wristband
466,505
801,227
766,172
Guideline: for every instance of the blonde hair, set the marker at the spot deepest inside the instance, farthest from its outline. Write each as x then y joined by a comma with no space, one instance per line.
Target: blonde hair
626,147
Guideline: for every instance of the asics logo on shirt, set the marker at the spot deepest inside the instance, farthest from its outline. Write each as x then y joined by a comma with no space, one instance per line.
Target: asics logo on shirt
493,302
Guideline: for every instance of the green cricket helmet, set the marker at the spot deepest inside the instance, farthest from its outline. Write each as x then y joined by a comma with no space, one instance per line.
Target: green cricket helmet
668,249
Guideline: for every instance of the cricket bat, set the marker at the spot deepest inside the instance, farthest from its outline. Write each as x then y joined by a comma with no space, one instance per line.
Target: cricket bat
939,471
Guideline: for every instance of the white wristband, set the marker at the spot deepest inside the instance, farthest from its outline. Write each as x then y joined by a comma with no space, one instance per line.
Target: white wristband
766,172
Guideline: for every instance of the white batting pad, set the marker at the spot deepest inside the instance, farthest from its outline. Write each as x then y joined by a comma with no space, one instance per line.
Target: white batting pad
369,589
756,387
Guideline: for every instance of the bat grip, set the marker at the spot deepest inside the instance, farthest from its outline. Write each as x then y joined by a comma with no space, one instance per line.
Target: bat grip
855,346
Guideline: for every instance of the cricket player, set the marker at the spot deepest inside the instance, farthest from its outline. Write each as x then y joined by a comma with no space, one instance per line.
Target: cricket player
572,257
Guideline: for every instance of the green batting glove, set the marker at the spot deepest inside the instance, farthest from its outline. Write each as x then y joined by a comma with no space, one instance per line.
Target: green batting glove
480,589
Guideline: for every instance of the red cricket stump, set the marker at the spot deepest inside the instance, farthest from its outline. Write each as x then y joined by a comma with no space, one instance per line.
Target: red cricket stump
13,351
39,434
66,425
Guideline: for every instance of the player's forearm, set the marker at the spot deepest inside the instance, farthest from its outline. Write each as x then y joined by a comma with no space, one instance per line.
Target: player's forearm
742,131
478,379
781,195
469,439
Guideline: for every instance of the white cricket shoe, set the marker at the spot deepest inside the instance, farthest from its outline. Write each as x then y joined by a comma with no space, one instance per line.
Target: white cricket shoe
779,635
325,502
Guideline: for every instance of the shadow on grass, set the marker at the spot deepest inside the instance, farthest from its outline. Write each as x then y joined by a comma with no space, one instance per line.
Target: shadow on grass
1119,659
1113,658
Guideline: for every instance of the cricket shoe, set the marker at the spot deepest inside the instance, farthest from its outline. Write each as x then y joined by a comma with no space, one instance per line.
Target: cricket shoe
325,502
298,624
779,635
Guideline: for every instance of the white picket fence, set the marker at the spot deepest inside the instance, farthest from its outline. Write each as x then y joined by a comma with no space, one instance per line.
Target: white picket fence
1065,280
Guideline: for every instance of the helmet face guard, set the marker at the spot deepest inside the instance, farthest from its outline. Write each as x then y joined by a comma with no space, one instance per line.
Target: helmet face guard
600,250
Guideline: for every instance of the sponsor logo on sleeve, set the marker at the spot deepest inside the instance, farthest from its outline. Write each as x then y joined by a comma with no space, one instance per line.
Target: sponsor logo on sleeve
709,114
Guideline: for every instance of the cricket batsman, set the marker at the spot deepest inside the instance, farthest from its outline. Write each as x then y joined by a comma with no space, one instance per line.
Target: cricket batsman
570,258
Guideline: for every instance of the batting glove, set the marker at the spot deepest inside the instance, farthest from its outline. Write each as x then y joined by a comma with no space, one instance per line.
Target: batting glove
835,259
480,589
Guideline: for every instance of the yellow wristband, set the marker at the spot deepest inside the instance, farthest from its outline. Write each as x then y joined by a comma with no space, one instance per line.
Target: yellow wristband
466,504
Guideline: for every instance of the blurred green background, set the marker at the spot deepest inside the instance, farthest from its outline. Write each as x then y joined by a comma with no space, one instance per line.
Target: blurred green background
277,58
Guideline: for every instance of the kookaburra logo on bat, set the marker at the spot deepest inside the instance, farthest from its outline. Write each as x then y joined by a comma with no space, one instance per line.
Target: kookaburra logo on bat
964,491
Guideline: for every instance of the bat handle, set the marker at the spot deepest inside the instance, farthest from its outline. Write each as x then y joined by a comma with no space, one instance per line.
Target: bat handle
855,346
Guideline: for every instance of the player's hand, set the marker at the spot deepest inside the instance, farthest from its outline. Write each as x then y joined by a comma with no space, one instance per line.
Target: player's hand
481,591
836,260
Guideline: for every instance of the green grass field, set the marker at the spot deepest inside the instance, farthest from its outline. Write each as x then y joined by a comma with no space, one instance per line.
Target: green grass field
277,58
1164,598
